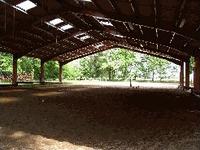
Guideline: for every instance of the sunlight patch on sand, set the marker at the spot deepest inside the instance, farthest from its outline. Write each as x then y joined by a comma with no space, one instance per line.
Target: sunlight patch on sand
46,94
45,143
17,135
12,90
23,140
6,100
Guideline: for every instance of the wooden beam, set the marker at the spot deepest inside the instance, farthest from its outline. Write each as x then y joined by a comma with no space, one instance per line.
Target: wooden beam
114,5
5,49
155,2
77,21
93,50
172,38
97,5
150,49
154,55
60,71
15,47
61,53
187,74
175,52
28,23
14,73
51,57
122,18
73,9
134,38
51,43
151,52
44,31
182,74
197,74
5,19
115,45
122,45
42,63
141,31
180,13
134,8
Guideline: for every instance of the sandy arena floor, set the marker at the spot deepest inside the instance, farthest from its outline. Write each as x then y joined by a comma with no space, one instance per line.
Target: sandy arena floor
96,117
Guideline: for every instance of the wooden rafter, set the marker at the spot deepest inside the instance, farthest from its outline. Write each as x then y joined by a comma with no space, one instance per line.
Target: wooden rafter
134,7
180,13
93,50
114,5
172,38
119,42
112,17
139,40
61,52
97,5
155,3
32,35
127,37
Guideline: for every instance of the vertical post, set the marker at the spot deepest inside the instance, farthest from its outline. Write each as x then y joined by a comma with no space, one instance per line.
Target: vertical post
42,72
182,74
60,72
187,74
14,73
197,74
130,82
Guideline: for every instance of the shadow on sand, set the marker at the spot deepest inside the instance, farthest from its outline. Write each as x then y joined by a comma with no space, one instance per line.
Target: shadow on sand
102,118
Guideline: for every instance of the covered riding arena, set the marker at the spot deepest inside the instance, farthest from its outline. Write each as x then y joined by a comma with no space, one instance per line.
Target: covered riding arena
66,116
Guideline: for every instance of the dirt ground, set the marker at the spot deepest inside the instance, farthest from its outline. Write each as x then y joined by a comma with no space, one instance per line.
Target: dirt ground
97,117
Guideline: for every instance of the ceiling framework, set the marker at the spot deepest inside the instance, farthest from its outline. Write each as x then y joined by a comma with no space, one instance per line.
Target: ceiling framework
70,29
105,45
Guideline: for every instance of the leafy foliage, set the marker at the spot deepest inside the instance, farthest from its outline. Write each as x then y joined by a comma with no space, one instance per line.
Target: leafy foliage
115,64
120,64
5,63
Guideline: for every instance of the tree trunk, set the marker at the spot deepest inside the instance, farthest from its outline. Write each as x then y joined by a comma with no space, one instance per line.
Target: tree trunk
153,76
109,74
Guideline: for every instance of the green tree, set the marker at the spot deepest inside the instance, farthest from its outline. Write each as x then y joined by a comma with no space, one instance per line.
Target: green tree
51,70
115,64
71,72
5,62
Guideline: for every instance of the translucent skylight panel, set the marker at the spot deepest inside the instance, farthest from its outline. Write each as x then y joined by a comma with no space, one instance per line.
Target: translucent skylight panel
3,1
84,37
66,27
182,23
26,5
80,34
117,35
105,22
99,45
86,0
56,21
